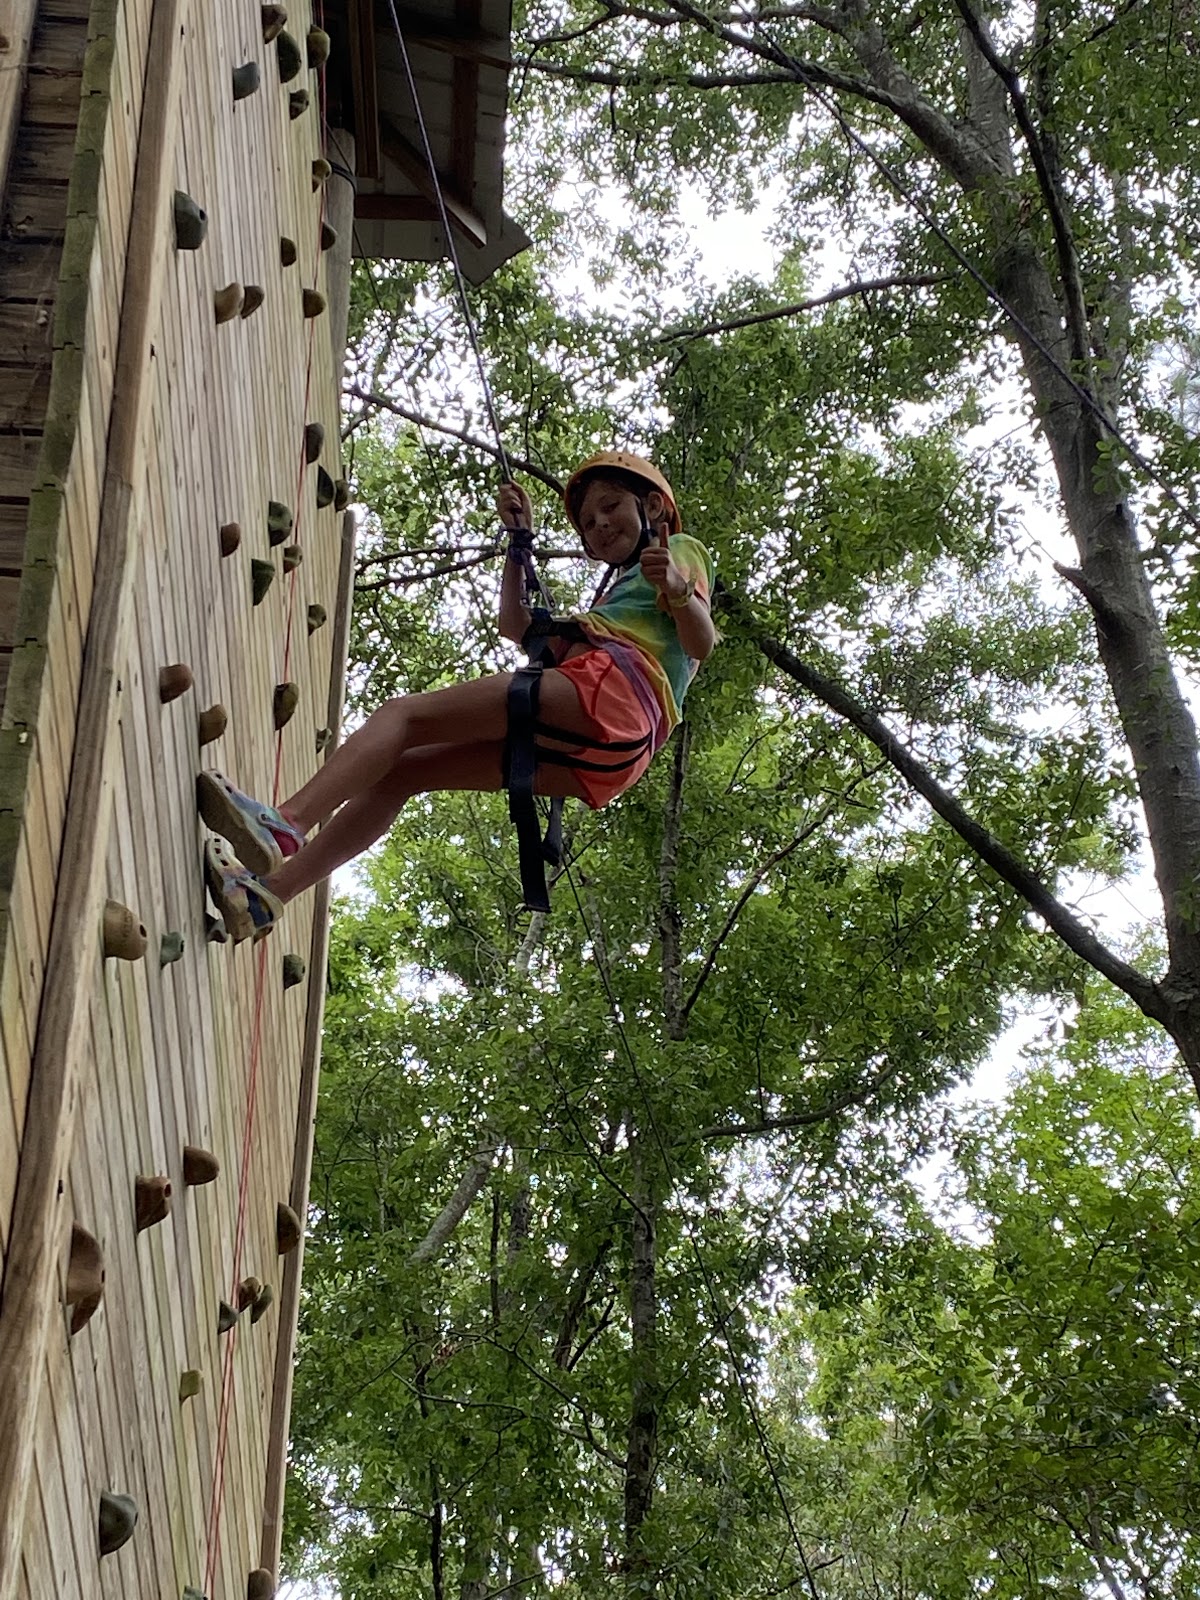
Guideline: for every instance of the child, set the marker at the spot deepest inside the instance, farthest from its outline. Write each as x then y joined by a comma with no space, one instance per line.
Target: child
619,677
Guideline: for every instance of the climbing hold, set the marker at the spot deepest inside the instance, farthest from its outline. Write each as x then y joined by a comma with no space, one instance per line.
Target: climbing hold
174,681
321,172
248,1292
324,488
252,299
317,617
287,251
324,738
85,1275
230,537
279,521
191,222
260,1585
214,929
189,1593
190,1384
227,302
293,555
117,1520
287,1229
170,949
211,724
226,1317
328,236
314,441
289,56
262,1303
124,935
151,1202
318,47
297,103
313,302
262,576
341,495
273,20
283,703
246,80
293,969
199,1166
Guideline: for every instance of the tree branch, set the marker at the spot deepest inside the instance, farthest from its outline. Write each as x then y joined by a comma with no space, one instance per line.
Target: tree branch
456,1208
917,280
1074,934
370,397
800,1119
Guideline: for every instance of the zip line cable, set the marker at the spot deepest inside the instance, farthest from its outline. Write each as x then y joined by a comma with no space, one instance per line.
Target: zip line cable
719,1314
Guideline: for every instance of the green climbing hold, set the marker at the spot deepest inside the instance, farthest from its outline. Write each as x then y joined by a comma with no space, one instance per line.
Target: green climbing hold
262,1303
287,251
170,948
293,969
226,1317
328,236
283,703
191,222
324,739
246,80
314,441
290,60
297,103
279,521
252,298
262,576
318,47
117,1520
317,617
325,490
190,1384
341,495
293,555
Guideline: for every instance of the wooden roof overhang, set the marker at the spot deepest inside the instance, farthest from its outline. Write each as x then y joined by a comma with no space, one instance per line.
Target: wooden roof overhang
460,56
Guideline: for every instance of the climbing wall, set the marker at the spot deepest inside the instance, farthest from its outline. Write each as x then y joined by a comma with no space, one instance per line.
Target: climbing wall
161,1372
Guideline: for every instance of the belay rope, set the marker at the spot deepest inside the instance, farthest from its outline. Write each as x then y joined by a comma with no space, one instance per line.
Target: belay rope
522,752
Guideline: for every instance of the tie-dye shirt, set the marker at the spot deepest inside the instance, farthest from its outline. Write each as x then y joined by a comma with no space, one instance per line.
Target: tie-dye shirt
629,613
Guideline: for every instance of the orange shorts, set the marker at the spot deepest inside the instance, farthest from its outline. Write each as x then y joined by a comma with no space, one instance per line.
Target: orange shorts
611,704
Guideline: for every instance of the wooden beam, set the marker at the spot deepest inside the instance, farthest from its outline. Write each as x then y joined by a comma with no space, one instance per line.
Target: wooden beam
413,165
306,1109
364,75
40,1211
395,208
464,106
16,30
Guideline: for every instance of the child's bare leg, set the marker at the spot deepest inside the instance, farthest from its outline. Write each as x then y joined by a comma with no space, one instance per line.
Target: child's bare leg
474,713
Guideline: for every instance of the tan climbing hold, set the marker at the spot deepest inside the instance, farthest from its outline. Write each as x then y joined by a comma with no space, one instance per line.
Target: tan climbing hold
287,1228
230,537
317,617
85,1276
313,302
283,704
174,681
248,1292
317,45
211,724
260,1585
190,1384
274,20
321,172
124,935
227,302
252,299
199,1166
263,1302
151,1201
116,1522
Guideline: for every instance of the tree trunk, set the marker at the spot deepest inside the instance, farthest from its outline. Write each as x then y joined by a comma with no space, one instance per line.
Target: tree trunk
644,1397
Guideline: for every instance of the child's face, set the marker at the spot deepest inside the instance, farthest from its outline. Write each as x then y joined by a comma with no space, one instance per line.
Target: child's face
609,521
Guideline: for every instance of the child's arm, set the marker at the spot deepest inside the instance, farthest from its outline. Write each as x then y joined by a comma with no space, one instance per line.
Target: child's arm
693,623
515,510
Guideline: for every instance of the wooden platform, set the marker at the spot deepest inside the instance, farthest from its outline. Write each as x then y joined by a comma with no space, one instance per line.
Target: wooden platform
206,1050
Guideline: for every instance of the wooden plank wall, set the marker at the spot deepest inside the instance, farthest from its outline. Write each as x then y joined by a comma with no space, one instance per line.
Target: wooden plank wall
205,1050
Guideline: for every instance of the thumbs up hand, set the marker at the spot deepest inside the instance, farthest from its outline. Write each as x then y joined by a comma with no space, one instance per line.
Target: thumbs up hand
661,571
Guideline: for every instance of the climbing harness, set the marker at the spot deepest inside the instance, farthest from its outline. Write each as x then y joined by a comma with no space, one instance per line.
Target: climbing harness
522,751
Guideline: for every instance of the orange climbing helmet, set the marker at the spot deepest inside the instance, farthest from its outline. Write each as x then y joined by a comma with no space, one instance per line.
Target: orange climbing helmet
616,463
